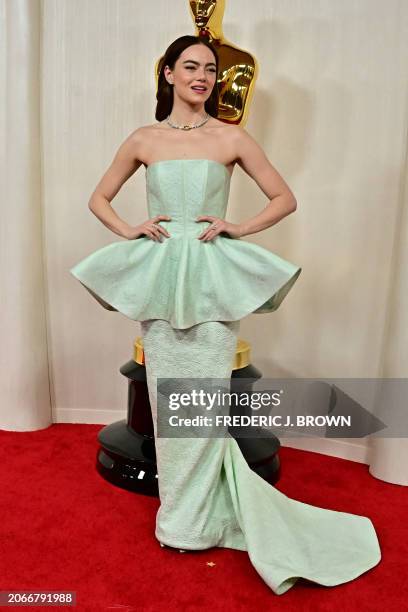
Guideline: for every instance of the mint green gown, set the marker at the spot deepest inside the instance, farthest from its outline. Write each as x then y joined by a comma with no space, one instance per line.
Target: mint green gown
189,297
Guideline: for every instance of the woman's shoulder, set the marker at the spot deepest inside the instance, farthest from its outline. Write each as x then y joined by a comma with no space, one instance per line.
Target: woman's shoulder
141,136
149,127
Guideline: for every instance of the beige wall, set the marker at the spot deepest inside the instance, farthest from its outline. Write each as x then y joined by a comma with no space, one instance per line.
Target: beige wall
330,109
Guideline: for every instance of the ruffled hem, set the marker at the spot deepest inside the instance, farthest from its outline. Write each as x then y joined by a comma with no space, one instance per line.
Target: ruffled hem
186,281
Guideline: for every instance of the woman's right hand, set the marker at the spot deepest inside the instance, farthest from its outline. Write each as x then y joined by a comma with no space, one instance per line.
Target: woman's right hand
150,229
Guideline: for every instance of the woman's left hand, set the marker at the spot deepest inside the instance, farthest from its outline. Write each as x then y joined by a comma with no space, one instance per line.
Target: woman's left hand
217,226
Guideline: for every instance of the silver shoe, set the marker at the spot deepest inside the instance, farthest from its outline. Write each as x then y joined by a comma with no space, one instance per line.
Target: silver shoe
165,546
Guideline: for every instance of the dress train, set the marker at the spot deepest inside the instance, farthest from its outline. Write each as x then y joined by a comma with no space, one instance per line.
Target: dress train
210,497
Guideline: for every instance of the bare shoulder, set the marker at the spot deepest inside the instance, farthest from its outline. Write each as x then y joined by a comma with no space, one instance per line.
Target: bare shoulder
241,137
144,132
226,128
224,136
236,137
251,157
246,147
153,128
140,134
138,142
232,138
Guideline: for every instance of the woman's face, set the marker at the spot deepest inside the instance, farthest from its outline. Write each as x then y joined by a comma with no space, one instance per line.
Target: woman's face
194,74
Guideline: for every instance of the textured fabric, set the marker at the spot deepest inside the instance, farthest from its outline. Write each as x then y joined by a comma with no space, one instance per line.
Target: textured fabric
190,296
183,280
209,496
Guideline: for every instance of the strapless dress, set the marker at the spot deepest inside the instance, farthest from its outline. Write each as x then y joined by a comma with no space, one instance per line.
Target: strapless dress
209,496
183,280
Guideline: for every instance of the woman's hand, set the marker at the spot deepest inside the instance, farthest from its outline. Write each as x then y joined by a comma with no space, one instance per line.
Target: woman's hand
217,226
150,229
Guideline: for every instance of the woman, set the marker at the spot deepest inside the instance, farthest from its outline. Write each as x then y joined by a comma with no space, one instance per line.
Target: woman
187,276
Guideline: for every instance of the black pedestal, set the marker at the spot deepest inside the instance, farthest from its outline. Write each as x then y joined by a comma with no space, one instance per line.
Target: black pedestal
127,456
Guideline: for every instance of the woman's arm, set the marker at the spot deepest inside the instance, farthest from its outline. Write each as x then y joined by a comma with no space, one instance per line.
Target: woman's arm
124,164
254,162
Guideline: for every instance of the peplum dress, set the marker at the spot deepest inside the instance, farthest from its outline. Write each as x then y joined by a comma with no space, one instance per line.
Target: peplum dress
189,297
183,280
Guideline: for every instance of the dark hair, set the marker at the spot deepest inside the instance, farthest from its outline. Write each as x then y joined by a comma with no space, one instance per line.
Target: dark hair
164,93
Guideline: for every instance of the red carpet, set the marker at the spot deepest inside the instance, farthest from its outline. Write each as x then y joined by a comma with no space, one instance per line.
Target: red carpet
64,527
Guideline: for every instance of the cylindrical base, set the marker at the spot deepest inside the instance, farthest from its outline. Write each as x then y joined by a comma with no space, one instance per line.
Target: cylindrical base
127,457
